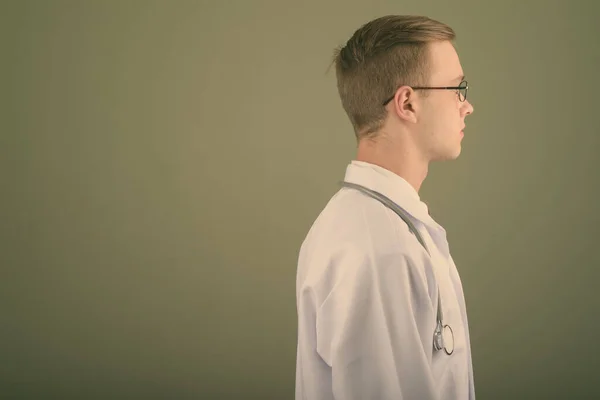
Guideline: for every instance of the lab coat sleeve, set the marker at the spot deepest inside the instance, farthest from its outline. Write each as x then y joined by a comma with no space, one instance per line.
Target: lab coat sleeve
375,329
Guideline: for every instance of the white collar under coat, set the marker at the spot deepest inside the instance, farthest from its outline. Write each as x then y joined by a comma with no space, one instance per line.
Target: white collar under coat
395,188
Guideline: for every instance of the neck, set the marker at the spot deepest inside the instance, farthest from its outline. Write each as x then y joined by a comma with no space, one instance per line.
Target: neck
401,160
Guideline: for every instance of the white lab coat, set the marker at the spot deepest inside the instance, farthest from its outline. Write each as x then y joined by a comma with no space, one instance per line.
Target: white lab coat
367,295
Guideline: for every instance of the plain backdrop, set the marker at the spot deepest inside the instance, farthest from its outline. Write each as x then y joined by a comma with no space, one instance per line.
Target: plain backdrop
162,162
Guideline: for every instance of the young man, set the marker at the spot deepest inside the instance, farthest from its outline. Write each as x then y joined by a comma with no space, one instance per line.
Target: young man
381,311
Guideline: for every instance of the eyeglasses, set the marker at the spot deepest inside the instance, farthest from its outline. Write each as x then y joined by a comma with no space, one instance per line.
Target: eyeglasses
461,90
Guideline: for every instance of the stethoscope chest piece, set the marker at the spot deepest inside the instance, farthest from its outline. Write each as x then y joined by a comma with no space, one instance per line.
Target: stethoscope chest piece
448,334
443,338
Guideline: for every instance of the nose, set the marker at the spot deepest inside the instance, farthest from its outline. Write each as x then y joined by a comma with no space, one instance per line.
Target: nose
468,107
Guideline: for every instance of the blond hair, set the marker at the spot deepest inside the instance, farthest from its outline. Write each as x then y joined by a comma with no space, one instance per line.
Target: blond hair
382,55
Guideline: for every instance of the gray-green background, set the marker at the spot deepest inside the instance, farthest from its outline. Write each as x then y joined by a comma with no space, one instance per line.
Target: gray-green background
163,160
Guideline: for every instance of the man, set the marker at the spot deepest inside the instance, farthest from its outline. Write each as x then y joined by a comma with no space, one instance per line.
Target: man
370,283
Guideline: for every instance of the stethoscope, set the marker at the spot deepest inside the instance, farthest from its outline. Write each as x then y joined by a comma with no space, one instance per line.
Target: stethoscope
442,332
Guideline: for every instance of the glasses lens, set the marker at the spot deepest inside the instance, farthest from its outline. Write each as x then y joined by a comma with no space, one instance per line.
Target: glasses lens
462,93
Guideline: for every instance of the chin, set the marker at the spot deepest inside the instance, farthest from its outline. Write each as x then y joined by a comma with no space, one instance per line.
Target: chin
449,155
457,153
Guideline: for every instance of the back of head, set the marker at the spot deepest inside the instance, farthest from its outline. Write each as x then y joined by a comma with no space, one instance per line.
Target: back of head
382,55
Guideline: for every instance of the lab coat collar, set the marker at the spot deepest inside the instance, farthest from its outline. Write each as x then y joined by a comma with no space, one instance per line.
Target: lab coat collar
392,186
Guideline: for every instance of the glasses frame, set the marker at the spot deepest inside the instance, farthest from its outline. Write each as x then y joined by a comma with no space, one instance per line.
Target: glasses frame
463,85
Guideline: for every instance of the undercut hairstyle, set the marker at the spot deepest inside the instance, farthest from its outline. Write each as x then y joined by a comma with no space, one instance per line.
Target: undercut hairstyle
381,56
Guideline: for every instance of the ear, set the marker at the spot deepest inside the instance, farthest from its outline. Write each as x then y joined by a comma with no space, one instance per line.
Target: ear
405,104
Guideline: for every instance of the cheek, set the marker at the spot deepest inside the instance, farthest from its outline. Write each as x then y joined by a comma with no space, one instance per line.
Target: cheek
448,117
452,115
441,118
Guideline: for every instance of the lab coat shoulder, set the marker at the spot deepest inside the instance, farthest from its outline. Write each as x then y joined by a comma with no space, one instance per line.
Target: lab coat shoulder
373,305
356,234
